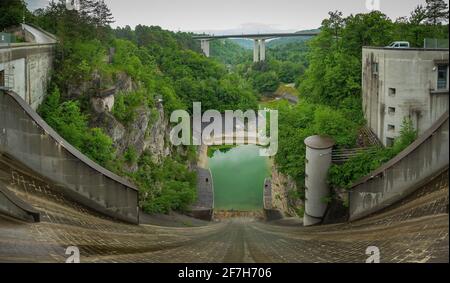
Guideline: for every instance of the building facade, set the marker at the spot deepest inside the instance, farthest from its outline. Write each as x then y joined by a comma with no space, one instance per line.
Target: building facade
403,83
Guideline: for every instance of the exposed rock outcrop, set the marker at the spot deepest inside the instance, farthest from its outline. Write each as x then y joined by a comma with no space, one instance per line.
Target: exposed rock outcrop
282,187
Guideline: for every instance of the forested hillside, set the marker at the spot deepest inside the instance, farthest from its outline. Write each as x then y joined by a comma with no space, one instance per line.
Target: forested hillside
142,66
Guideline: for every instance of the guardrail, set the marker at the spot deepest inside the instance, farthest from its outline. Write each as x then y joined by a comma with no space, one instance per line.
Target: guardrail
28,139
408,171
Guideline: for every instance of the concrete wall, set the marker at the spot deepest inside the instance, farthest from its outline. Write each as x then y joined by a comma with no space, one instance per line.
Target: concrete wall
203,208
427,157
12,206
29,66
25,137
413,75
270,213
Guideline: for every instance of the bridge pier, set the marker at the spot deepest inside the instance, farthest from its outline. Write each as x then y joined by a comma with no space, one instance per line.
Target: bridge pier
204,43
262,50
259,50
256,51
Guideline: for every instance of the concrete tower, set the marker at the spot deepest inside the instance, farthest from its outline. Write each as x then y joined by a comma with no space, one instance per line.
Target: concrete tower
318,161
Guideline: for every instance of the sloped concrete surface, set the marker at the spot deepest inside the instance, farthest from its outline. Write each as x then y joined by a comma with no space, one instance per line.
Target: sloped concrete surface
415,230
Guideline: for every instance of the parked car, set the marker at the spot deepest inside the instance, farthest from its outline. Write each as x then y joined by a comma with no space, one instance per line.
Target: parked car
399,44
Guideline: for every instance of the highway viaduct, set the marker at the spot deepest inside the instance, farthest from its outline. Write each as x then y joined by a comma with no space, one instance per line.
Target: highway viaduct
259,49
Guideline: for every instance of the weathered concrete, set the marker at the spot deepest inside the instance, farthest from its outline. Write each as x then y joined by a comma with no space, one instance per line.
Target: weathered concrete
399,83
13,206
318,161
28,66
25,137
270,213
415,231
415,166
203,208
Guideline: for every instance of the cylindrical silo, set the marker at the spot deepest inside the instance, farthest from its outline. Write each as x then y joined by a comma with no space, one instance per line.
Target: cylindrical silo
318,161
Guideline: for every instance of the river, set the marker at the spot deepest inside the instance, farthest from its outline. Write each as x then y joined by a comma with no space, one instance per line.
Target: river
238,176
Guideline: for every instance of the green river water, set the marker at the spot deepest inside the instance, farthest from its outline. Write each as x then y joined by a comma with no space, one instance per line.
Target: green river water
238,176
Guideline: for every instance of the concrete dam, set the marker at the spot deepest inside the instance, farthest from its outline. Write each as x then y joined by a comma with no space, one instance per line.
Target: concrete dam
92,219
53,197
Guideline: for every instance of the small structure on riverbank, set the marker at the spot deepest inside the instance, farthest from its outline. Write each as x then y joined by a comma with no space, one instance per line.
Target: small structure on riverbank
204,206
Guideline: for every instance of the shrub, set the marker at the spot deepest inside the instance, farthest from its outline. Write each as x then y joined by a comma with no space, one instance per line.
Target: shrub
343,176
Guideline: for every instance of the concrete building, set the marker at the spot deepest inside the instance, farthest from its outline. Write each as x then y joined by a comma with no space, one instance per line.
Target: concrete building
25,68
403,83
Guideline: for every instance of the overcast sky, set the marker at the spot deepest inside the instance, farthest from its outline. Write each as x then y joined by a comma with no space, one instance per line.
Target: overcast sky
244,15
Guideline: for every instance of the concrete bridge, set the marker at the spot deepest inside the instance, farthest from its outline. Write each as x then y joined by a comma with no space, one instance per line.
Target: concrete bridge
259,49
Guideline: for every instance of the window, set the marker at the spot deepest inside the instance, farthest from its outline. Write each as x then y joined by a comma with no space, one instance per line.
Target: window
391,110
389,142
2,78
375,68
392,92
442,77
391,128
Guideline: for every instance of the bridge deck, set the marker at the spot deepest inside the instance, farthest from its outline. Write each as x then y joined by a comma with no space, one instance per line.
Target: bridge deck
257,35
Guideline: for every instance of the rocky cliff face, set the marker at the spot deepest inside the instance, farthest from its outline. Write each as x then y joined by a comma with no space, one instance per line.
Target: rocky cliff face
282,188
148,132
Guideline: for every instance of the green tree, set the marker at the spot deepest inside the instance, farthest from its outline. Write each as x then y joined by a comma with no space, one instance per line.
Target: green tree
437,11
12,13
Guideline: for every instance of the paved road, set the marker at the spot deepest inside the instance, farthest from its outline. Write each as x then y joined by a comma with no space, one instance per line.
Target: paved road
413,231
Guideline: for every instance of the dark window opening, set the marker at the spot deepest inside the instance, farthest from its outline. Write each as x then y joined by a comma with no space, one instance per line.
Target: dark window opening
391,110
375,68
392,91
391,128
442,77
2,78
207,180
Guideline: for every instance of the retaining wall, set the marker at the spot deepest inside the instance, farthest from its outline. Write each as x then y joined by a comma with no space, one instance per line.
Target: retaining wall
25,137
408,171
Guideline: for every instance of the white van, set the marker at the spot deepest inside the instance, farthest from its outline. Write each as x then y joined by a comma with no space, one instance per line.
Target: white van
399,44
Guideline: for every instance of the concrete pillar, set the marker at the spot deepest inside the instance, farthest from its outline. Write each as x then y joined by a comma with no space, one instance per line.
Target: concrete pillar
256,50
204,43
318,161
262,50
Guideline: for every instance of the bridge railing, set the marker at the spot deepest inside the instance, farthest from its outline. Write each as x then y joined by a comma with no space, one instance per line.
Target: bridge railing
425,158
26,138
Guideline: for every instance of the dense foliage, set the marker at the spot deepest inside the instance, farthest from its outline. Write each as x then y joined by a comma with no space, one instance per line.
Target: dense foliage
161,65
343,176
330,90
